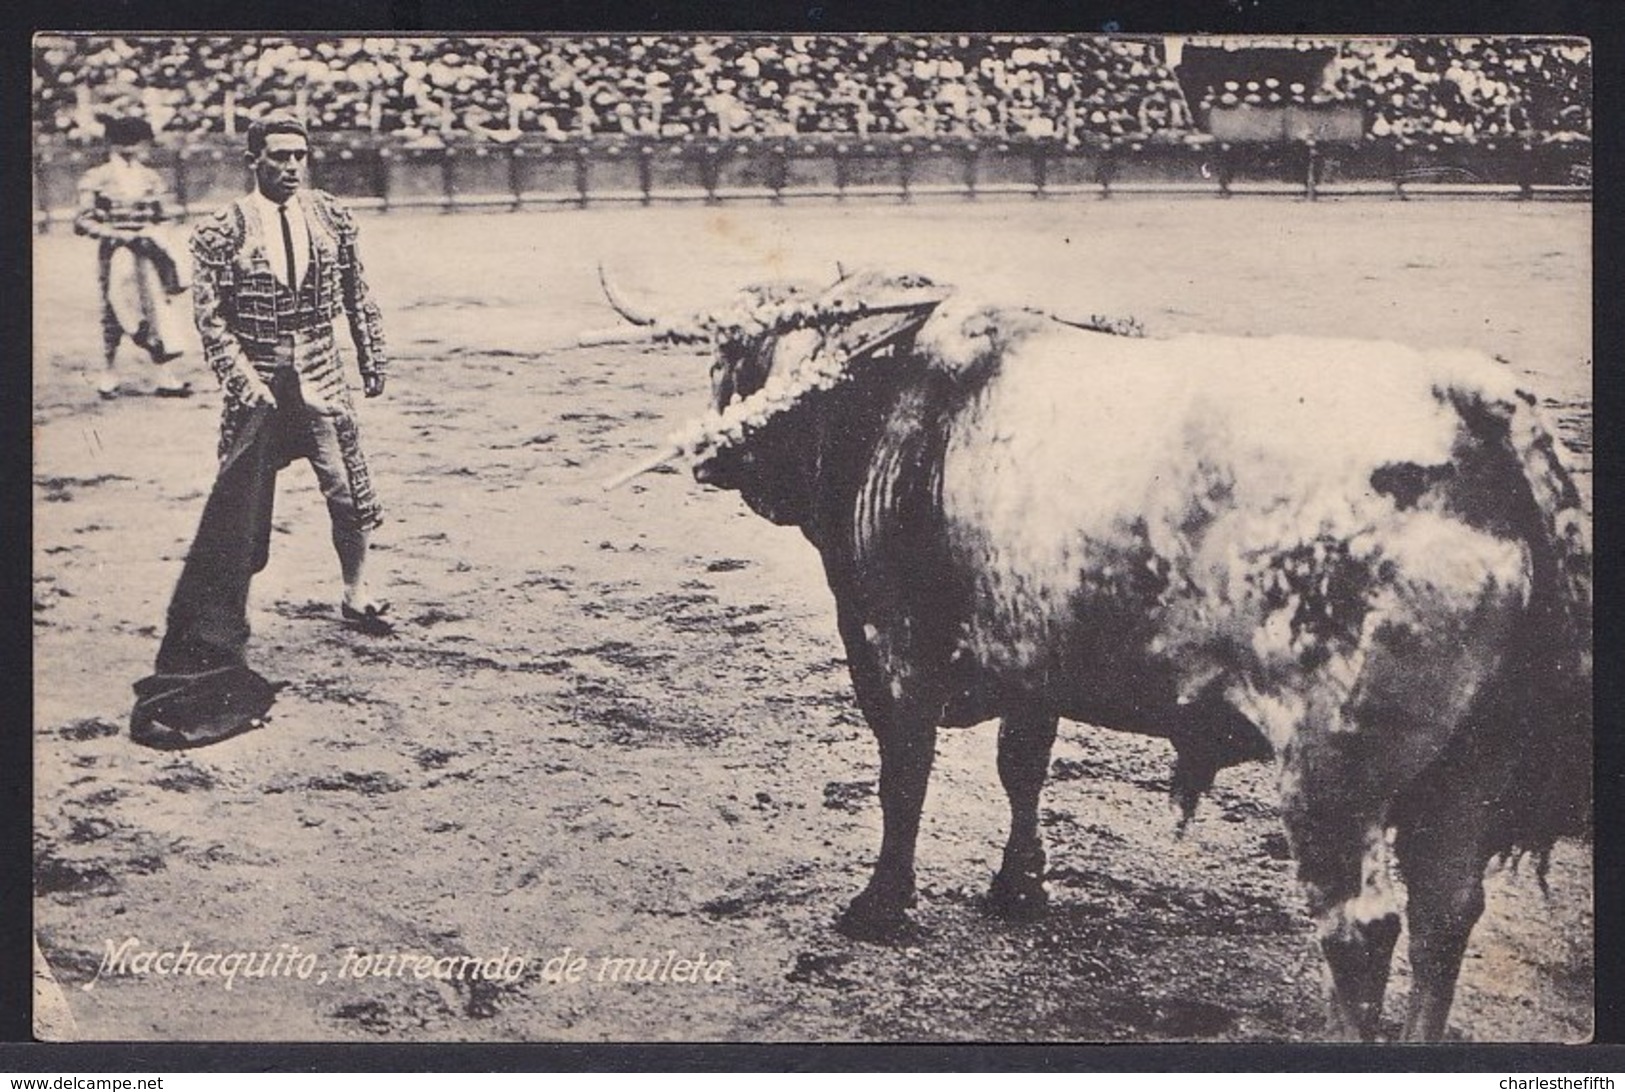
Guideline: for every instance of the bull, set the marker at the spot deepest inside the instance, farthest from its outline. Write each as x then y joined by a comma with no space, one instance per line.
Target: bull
1363,561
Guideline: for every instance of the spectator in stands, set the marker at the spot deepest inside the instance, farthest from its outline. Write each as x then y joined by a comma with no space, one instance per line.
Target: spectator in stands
123,205
993,86
1464,89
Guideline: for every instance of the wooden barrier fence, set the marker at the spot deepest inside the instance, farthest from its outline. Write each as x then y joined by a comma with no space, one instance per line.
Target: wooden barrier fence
207,173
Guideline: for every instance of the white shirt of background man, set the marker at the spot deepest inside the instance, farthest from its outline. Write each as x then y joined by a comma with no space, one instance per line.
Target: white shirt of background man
271,225
125,175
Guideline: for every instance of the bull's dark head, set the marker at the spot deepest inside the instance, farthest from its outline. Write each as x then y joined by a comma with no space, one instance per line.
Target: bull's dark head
768,471
781,351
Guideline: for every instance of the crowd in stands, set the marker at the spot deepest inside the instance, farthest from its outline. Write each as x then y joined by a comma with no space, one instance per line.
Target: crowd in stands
499,88
426,90
1467,89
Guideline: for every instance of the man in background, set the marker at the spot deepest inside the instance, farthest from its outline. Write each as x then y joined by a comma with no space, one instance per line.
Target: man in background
273,272
122,205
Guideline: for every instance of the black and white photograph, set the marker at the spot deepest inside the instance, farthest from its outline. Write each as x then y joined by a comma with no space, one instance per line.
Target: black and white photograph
812,538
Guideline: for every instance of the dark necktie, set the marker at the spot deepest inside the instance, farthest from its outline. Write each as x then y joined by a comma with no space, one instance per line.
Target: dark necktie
287,247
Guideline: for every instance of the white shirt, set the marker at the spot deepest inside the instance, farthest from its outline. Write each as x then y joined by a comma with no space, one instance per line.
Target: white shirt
271,224
121,179
125,173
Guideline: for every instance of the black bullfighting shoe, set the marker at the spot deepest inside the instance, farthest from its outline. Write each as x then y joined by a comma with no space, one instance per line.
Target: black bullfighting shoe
369,621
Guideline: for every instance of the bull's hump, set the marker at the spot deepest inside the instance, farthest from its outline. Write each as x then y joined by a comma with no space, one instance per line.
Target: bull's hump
1080,424
1086,457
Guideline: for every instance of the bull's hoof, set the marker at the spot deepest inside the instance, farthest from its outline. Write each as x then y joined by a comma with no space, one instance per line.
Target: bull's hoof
879,920
1017,898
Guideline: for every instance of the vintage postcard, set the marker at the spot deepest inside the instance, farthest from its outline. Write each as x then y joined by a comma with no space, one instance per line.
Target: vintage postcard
812,538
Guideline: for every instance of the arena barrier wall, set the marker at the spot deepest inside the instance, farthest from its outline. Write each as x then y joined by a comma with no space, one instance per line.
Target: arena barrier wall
206,173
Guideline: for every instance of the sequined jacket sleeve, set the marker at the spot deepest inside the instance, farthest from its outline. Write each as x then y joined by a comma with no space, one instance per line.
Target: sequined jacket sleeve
366,321
93,217
214,283
89,218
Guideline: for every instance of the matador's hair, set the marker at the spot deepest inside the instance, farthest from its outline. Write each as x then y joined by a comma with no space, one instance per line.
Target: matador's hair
261,130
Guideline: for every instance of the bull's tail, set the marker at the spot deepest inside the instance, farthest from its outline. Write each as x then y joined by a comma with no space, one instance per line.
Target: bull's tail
1551,668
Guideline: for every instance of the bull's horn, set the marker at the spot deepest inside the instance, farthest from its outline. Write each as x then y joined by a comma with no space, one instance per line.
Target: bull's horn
660,458
636,318
618,335
840,271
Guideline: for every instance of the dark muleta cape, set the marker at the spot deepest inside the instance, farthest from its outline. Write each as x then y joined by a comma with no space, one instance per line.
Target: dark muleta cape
202,690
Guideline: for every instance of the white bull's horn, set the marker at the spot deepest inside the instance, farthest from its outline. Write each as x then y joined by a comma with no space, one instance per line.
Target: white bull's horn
618,335
636,318
660,458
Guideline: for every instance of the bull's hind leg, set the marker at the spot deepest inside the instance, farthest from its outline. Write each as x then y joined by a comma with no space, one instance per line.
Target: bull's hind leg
1442,856
1444,882
1336,828
1025,740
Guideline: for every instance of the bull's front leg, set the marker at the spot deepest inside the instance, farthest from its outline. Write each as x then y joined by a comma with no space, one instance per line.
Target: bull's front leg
907,746
902,708
1026,738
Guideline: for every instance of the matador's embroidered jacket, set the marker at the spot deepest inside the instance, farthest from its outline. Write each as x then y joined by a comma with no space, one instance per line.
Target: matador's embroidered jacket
249,319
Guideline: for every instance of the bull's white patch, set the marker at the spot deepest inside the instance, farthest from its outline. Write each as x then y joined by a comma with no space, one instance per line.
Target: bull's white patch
1086,452
1377,899
895,667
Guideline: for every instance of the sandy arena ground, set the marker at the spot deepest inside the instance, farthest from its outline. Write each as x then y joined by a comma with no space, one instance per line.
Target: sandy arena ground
620,725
